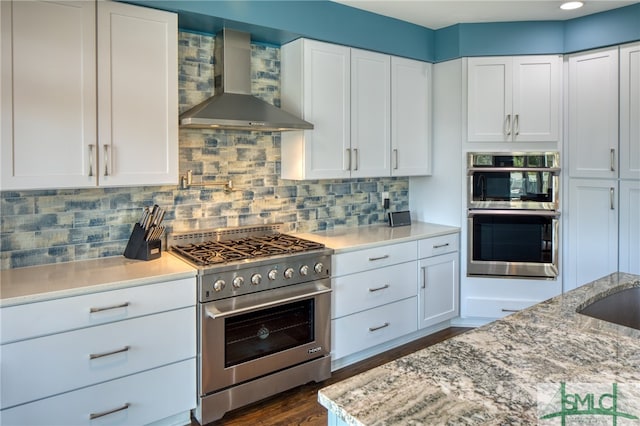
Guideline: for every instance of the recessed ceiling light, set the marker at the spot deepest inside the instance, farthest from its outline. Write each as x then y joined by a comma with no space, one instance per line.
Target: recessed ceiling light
570,5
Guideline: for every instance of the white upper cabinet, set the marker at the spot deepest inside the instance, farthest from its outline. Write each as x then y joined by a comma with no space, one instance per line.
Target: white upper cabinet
316,85
76,115
370,114
593,114
370,111
630,111
514,99
410,117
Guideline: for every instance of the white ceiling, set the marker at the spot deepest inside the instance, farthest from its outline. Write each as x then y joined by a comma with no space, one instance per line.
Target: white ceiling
437,14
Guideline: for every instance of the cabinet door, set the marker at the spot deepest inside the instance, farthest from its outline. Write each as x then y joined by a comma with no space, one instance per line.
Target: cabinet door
593,114
410,117
137,95
630,111
489,99
593,231
48,94
536,98
439,283
370,114
629,260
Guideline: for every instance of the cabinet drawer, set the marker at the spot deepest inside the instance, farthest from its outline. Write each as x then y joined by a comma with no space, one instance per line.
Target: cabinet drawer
54,316
366,329
377,257
45,366
152,395
438,245
495,308
366,290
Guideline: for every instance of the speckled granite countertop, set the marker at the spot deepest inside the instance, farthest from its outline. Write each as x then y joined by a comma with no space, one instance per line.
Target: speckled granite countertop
489,375
46,282
347,239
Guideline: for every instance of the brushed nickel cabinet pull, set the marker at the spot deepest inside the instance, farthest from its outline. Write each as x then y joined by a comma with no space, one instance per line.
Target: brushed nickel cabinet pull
395,156
613,159
507,125
386,324
437,246
349,156
106,413
106,160
516,125
117,351
373,259
612,198
355,154
106,308
424,277
379,288
91,160
510,310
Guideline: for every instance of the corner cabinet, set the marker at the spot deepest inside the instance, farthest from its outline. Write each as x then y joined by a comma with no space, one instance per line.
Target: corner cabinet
370,111
100,112
514,99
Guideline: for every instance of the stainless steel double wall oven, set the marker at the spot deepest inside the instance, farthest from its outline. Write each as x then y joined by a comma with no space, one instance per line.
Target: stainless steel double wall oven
264,314
513,214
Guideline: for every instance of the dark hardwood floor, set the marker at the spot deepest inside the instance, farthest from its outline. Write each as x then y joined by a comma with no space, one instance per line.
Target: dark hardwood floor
299,406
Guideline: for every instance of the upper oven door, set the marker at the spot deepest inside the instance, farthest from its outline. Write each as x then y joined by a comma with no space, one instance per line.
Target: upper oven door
246,337
513,181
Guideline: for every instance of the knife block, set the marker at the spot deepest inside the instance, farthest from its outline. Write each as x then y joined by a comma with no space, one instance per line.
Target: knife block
138,248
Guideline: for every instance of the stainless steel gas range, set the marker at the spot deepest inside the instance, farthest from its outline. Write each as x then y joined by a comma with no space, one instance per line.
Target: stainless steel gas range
263,313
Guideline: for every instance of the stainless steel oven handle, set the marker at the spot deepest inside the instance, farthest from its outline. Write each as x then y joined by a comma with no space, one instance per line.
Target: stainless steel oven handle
484,212
277,299
554,170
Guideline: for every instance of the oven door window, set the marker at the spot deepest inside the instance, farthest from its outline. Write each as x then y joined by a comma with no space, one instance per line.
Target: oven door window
513,186
512,238
263,332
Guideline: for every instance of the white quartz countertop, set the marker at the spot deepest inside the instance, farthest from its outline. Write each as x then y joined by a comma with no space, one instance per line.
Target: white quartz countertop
348,239
39,283
504,373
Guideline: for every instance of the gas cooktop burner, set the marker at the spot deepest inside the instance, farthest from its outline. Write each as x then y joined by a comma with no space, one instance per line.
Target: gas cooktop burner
215,252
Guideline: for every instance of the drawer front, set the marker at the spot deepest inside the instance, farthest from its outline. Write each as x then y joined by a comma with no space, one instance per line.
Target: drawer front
54,316
366,329
377,257
438,245
366,290
42,367
495,308
152,395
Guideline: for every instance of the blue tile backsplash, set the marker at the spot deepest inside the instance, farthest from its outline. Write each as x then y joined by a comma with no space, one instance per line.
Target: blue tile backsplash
50,226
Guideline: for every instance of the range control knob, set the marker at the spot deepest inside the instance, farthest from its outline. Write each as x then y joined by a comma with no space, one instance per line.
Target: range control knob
219,285
256,279
319,267
288,273
273,274
237,282
304,270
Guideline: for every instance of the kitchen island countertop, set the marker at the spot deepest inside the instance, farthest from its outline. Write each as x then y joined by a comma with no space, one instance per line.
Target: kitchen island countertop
491,375
343,240
46,282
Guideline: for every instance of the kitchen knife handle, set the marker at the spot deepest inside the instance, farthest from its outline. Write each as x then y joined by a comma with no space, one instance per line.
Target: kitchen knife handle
91,159
106,159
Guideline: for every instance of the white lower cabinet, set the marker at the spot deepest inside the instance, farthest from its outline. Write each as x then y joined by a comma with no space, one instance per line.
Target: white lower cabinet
629,243
439,286
118,357
372,327
138,399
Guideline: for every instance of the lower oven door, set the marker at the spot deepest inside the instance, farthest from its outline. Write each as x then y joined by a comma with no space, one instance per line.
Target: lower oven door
249,336
513,243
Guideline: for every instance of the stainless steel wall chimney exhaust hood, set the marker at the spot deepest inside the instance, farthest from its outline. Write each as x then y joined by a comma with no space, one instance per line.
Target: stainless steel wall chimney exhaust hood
232,106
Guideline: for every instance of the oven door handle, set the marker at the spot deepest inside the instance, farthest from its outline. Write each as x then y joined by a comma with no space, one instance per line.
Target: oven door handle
266,299
484,212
